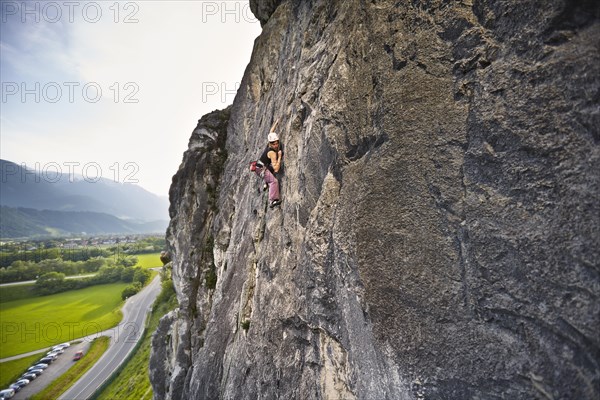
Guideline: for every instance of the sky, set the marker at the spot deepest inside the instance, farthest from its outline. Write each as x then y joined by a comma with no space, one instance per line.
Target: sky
115,88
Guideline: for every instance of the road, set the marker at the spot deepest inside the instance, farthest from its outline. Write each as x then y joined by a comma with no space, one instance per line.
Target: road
66,277
125,337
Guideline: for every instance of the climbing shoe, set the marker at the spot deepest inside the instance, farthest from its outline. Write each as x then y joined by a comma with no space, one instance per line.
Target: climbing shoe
275,203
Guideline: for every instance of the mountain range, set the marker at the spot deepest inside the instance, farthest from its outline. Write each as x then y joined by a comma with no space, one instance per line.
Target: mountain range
34,203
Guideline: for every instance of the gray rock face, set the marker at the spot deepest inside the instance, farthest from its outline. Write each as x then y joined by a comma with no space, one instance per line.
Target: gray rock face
439,234
263,9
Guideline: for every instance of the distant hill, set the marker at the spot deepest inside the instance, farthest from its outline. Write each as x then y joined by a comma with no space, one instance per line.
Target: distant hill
27,222
30,189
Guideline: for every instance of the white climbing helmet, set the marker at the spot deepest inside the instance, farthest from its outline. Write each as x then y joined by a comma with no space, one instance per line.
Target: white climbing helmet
273,137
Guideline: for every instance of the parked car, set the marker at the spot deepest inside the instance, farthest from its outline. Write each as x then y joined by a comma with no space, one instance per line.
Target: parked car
15,387
29,376
37,372
7,393
78,355
61,346
18,384
46,360
56,351
38,366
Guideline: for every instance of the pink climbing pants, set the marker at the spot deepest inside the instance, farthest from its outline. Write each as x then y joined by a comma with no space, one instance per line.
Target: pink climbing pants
271,181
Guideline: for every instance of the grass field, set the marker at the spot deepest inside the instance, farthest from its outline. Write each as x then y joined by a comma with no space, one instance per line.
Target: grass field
133,382
11,370
41,322
66,380
149,260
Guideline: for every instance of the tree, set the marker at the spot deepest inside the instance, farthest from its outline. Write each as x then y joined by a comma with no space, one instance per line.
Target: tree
130,290
141,275
110,273
127,274
94,264
128,261
50,282
51,277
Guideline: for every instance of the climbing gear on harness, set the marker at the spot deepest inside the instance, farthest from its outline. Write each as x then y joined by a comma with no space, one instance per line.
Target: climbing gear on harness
275,203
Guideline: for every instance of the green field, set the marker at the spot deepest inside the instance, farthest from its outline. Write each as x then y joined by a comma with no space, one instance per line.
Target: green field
11,370
41,322
149,260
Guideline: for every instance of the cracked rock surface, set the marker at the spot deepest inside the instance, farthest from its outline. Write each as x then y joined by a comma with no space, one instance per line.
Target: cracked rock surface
439,235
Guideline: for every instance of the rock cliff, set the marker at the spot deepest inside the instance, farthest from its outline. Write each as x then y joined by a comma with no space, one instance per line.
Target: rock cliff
439,235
